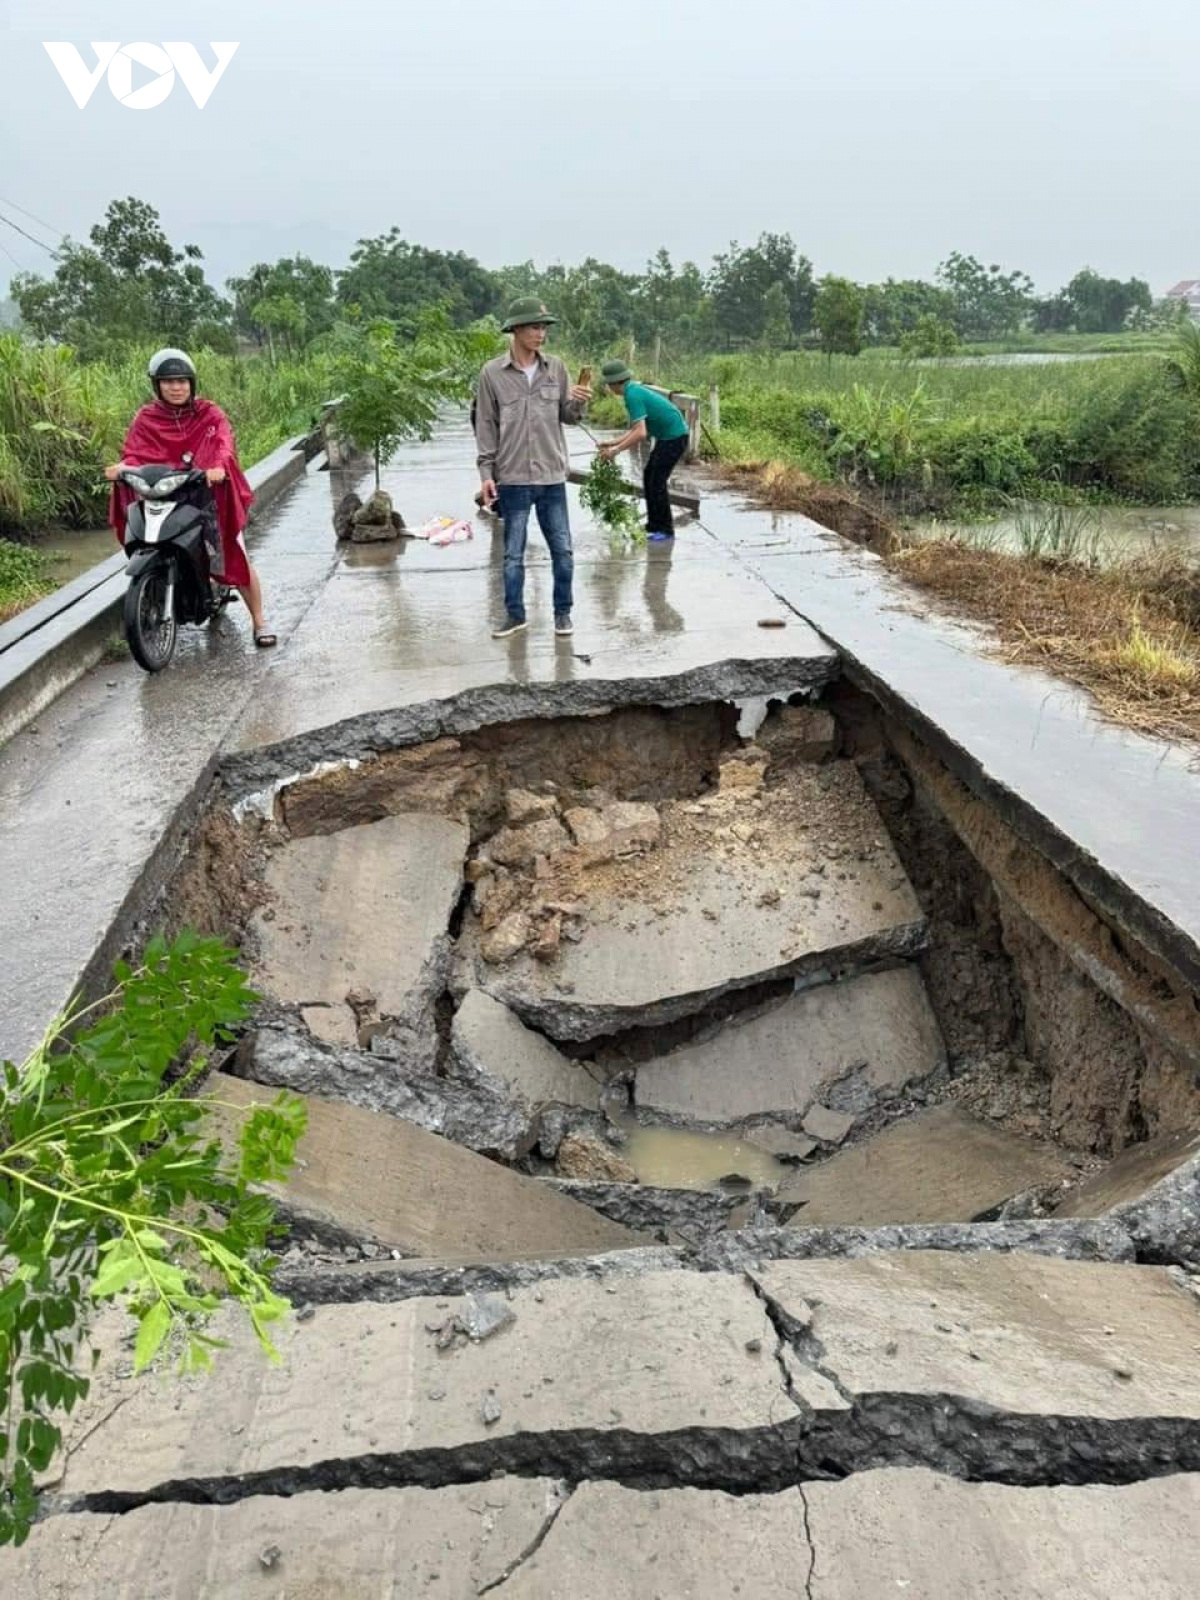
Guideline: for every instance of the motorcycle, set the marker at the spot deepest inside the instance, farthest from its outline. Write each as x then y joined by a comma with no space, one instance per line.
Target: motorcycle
171,540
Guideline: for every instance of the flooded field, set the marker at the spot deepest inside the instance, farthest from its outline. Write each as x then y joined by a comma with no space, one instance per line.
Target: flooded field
1103,533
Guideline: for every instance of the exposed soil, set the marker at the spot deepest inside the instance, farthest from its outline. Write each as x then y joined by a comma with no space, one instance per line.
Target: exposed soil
1127,634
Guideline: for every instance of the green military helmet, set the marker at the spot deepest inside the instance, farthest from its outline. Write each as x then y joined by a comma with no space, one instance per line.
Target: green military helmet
525,311
615,372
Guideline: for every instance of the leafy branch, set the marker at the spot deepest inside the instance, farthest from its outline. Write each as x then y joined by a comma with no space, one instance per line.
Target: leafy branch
113,1185
603,497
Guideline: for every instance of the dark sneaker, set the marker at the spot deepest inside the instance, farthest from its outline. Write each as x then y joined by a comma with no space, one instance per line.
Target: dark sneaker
509,626
563,625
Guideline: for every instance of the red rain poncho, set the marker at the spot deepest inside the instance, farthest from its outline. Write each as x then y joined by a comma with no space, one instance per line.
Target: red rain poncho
162,435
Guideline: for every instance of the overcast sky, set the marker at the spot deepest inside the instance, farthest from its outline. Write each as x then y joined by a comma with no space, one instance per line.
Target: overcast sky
1043,134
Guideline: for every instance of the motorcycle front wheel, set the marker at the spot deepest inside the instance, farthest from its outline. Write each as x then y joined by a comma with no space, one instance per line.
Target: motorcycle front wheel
151,632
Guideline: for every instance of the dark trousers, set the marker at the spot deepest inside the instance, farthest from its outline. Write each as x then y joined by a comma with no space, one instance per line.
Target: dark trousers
664,458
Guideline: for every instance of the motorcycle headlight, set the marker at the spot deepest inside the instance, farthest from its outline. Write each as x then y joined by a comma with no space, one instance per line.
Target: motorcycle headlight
138,483
169,484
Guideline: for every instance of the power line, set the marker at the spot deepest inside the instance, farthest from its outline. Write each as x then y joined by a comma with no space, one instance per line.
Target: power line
41,221
12,257
26,235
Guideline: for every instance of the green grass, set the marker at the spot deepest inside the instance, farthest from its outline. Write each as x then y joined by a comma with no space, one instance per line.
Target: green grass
61,420
964,437
24,577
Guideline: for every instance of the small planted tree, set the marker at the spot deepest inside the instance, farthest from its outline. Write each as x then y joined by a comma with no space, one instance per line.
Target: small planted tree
393,387
112,1185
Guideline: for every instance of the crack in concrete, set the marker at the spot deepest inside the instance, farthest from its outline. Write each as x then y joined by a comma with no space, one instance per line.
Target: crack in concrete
800,1339
808,1539
384,1281
781,1340
964,1439
535,1544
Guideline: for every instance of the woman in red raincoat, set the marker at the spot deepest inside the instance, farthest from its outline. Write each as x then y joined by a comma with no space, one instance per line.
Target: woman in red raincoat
177,423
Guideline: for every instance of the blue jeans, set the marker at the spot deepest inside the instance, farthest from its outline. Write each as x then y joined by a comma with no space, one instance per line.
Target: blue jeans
549,500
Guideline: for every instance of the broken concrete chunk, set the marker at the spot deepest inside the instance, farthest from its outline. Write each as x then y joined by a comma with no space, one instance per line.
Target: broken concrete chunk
617,829
368,907
688,929
782,1143
331,1024
493,1049
395,1079
558,1121
849,1042
937,1166
590,1159
1153,1190
479,1317
519,847
689,1212
368,1176
549,937
830,1127
521,806
506,940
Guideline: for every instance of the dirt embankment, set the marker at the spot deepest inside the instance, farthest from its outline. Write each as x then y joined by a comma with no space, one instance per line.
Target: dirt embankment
1128,632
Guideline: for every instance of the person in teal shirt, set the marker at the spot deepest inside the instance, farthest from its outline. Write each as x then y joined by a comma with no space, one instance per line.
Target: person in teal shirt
653,416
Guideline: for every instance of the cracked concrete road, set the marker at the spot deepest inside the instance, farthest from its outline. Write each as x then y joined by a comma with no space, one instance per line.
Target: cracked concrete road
881,1532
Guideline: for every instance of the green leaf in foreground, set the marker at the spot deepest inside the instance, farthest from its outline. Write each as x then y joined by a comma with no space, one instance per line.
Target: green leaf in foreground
113,1184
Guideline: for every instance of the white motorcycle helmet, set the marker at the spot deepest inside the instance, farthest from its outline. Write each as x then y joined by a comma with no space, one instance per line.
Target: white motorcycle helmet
171,364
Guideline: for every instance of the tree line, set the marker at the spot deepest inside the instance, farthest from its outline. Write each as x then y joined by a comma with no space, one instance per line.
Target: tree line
129,283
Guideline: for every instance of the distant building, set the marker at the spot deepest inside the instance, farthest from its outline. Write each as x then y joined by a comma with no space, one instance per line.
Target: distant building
1189,292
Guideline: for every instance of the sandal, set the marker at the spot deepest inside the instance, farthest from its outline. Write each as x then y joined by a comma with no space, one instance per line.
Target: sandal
264,638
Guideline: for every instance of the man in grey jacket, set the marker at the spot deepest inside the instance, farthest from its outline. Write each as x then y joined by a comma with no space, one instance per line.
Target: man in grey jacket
523,399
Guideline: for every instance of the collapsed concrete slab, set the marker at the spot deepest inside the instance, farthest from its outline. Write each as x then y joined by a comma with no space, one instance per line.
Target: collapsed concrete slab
840,1043
747,885
493,1049
457,1541
365,910
936,1166
1153,1190
687,1212
363,1175
468,1113
608,1369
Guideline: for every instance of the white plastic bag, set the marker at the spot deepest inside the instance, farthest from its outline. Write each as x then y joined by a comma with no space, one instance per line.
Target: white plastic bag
451,532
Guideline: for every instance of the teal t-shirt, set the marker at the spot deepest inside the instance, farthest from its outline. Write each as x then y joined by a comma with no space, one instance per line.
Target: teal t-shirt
664,420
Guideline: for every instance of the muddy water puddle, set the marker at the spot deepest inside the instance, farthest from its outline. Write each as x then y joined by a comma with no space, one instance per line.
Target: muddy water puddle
679,1158
71,551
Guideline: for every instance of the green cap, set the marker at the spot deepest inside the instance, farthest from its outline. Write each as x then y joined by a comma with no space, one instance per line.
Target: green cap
615,372
526,311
